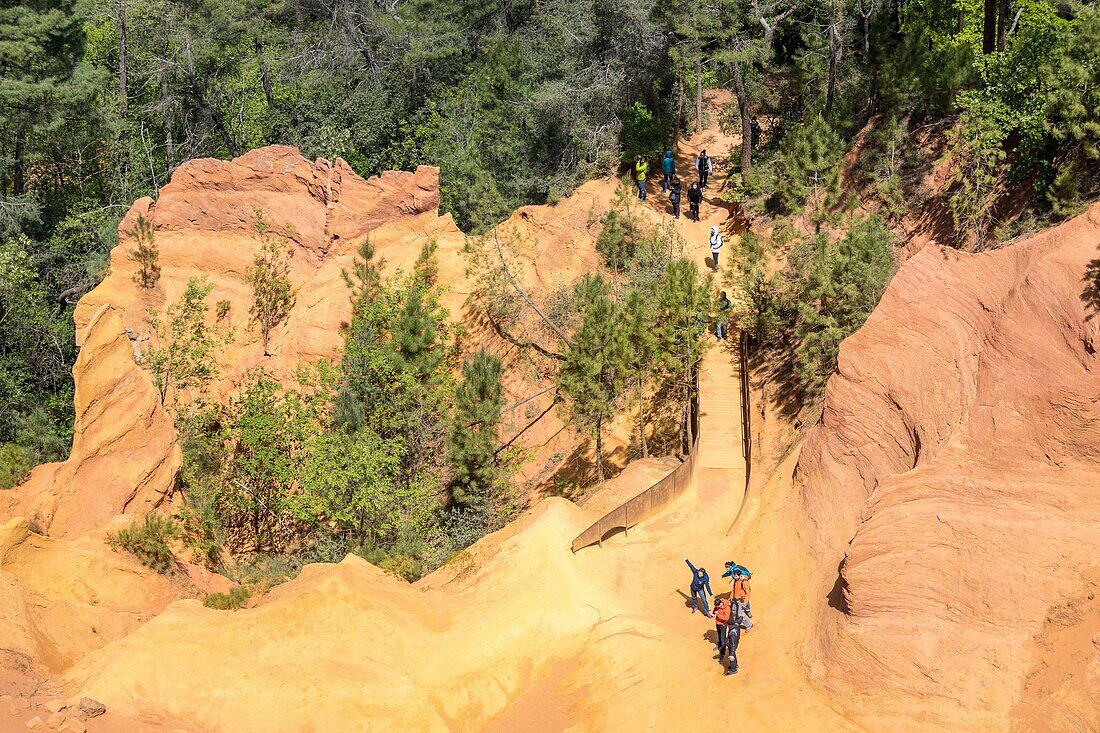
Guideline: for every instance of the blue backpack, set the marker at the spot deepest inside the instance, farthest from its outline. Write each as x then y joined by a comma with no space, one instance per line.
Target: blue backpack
734,569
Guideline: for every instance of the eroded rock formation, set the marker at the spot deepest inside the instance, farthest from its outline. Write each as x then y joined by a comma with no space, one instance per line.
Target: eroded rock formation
955,478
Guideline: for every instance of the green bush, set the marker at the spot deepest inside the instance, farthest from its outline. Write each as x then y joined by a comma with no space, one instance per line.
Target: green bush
15,463
231,601
148,541
643,134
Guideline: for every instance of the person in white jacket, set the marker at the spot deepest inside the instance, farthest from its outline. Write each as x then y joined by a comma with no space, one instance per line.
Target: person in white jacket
716,243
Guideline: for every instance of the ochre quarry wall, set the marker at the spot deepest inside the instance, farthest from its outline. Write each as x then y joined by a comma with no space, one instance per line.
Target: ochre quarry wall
954,483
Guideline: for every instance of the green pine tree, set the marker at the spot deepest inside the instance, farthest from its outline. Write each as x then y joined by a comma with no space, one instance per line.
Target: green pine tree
471,440
594,371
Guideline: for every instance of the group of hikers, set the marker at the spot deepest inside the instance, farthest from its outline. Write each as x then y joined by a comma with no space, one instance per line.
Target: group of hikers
731,614
671,184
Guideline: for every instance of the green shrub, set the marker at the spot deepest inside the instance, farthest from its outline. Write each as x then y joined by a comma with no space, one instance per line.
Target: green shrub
643,134
15,464
148,541
231,601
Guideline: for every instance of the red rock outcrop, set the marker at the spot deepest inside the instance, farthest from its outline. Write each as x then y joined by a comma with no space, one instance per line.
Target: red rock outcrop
954,479
125,456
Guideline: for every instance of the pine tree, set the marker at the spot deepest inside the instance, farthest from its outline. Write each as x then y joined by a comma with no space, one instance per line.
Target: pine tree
41,45
594,371
471,440
272,292
639,321
145,254
840,284
683,312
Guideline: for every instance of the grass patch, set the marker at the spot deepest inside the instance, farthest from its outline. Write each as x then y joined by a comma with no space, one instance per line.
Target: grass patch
148,542
231,601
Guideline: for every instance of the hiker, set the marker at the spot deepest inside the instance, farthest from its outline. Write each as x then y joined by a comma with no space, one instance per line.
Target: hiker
700,588
668,168
674,196
755,129
695,197
724,307
722,609
641,168
705,166
739,577
737,620
716,243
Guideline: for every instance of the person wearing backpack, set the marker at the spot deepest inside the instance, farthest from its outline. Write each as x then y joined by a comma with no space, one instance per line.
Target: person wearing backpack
705,166
668,169
740,592
700,589
724,307
716,243
674,196
695,197
641,168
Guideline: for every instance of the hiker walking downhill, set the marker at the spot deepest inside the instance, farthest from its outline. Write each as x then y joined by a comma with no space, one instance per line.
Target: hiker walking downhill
700,589
716,243
674,197
641,168
668,170
720,321
737,621
704,165
722,608
739,577
695,197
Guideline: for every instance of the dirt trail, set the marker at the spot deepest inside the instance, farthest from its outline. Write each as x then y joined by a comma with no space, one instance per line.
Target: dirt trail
675,678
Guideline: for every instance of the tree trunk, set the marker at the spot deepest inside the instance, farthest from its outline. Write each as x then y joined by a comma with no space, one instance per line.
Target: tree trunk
1002,21
123,100
989,26
169,142
866,36
746,120
264,80
123,97
641,417
836,49
679,125
19,184
960,21
698,96
209,112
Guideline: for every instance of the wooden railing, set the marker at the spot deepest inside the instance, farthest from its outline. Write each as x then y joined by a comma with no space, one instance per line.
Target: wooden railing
746,413
652,499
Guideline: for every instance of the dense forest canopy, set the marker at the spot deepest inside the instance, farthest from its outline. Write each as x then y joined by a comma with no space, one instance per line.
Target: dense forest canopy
518,102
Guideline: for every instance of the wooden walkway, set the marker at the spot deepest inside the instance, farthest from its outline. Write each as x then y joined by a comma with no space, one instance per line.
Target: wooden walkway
720,464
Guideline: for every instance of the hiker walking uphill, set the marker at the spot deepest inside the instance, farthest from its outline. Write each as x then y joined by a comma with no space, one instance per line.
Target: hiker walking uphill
695,197
668,170
716,243
720,321
674,197
641,169
705,166
700,589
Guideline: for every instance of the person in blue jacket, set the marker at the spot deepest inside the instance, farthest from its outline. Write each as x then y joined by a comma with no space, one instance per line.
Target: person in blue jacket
700,589
668,168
